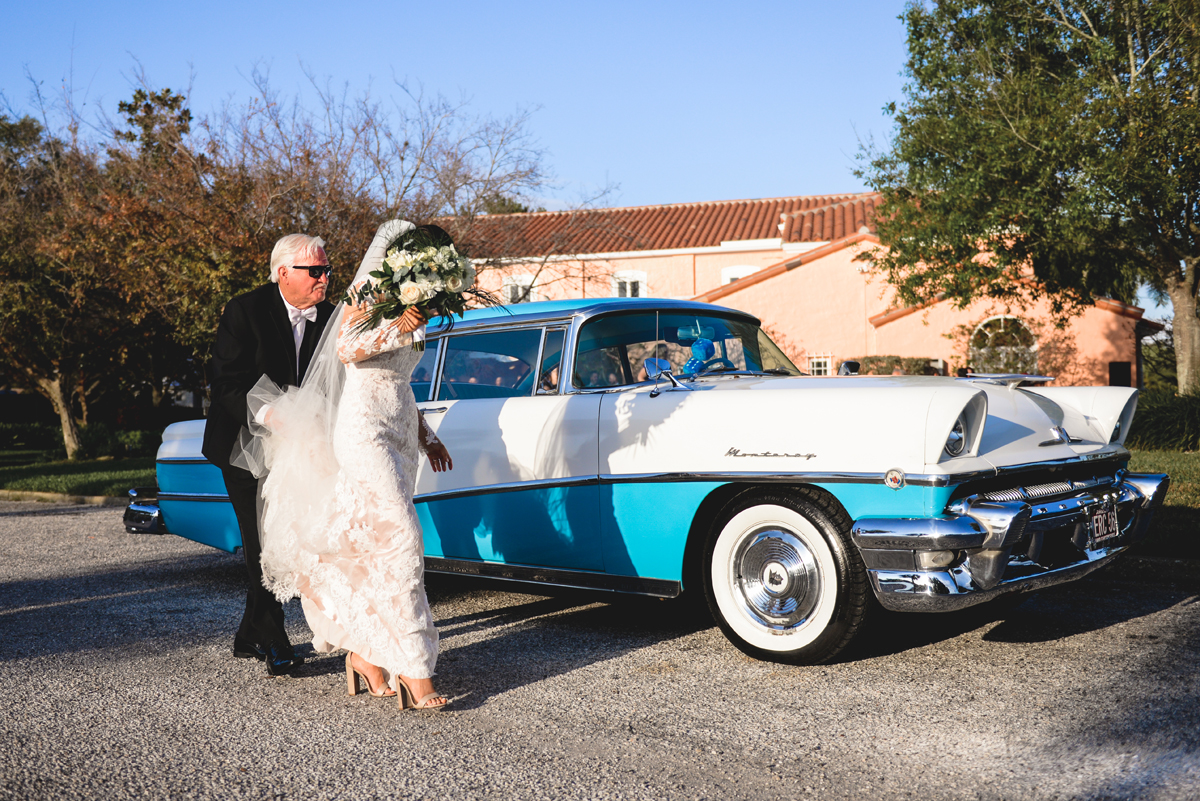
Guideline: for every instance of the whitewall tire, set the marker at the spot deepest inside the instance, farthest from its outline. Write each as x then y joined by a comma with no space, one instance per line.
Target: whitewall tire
783,579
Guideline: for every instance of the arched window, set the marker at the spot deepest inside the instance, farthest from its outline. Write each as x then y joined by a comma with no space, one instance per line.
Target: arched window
1003,345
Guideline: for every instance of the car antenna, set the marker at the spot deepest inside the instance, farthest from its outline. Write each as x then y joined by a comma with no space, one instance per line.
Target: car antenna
658,373
654,393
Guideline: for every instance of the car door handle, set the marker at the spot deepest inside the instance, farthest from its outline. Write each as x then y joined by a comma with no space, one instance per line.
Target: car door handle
438,410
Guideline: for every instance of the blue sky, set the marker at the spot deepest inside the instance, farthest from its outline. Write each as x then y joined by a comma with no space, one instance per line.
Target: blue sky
672,102
668,102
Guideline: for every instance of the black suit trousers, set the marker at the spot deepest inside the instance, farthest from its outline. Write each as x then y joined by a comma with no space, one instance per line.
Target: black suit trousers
262,622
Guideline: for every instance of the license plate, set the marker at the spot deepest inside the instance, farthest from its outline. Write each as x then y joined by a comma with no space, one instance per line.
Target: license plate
1104,524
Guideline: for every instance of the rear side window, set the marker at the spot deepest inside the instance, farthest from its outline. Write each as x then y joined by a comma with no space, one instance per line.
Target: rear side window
496,365
552,350
422,374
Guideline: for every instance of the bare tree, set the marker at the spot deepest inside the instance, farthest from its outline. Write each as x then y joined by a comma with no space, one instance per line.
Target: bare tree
169,215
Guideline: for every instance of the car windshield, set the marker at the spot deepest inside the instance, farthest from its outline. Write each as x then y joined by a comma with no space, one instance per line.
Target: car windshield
620,349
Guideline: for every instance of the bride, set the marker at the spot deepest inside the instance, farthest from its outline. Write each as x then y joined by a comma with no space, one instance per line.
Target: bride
340,456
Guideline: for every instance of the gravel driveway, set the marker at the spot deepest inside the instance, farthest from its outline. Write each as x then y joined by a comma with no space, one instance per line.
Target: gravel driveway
116,681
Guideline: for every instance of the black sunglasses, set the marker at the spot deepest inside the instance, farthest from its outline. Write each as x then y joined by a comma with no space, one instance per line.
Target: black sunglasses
314,270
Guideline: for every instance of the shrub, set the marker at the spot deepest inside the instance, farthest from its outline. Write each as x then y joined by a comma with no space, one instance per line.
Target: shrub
1166,421
27,436
884,365
139,443
97,440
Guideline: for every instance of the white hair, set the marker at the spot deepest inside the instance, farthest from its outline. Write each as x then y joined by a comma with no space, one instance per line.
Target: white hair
292,248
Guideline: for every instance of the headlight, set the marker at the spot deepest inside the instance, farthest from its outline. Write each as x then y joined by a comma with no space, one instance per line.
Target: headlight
957,439
1116,434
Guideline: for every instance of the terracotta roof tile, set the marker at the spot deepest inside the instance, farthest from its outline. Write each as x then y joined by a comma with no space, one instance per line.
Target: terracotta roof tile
804,218
831,221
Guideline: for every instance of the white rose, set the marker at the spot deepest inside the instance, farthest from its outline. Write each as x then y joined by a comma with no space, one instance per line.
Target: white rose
410,293
455,284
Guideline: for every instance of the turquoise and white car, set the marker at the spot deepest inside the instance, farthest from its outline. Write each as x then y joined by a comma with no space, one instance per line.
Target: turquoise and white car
654,446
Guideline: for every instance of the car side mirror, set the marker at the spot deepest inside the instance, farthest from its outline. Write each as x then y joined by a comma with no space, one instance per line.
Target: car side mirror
848,368
667,374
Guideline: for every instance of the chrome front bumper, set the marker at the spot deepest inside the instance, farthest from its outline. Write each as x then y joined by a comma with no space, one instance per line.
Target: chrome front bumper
142,514
983,548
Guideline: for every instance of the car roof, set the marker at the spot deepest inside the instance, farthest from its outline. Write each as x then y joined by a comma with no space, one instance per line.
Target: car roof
586,307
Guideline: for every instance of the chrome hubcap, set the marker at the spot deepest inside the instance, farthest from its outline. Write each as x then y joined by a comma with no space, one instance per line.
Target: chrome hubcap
776,578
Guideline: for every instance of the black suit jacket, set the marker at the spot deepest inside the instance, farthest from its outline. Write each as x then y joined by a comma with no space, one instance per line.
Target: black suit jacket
254,338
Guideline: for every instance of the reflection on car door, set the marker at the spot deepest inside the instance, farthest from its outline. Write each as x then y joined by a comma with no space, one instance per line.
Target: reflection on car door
530,449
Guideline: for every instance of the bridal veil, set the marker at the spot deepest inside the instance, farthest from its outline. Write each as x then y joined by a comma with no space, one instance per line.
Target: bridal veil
288,443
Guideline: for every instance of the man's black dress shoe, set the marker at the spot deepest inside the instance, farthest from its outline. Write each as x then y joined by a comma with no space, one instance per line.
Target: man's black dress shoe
244,649
281,659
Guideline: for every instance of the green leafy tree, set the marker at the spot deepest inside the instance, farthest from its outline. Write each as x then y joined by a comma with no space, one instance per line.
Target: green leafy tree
1047,148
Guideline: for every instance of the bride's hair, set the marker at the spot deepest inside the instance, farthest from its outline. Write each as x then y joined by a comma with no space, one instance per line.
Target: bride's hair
423,236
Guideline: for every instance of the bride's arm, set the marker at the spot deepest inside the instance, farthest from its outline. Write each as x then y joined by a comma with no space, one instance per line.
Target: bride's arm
357,346
439,457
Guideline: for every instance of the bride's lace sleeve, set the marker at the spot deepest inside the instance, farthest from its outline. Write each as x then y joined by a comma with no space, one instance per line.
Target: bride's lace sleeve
355,346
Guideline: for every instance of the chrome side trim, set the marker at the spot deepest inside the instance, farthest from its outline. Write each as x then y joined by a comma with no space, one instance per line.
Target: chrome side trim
181,460
667,478
568,579
194,496
767,478
496,489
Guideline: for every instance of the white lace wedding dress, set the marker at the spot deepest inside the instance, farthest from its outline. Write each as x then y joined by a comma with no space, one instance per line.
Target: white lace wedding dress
365,592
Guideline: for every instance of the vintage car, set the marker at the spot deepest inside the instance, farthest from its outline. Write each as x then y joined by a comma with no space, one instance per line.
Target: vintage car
652,446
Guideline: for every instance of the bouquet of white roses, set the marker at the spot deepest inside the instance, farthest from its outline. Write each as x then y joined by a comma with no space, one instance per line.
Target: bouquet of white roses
437,279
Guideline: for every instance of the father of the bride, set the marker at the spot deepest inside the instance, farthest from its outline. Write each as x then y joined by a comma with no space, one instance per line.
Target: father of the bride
272,330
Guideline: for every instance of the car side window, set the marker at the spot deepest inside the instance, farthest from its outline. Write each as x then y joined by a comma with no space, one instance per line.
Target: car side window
619,349
422,375
552,351
495,365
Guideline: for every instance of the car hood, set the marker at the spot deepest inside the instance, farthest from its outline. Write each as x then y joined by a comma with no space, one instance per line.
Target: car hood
880,422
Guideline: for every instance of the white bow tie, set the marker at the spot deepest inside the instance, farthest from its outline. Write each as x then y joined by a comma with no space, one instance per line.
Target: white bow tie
295,315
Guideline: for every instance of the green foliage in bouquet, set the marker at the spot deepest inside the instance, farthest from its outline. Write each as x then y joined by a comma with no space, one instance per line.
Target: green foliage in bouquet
424,269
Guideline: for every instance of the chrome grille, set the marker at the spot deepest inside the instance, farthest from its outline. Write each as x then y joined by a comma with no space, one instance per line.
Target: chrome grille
1035,491
1042,490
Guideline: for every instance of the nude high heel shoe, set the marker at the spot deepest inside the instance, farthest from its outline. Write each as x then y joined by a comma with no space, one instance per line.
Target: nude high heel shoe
352,688
408,699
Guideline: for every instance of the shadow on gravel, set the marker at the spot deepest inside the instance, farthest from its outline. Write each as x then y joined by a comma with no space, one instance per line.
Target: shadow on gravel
59,509
1097,602
546,637
1051,614
1152,711
173,598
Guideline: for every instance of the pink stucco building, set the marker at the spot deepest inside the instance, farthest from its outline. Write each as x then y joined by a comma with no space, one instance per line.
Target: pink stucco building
792,263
